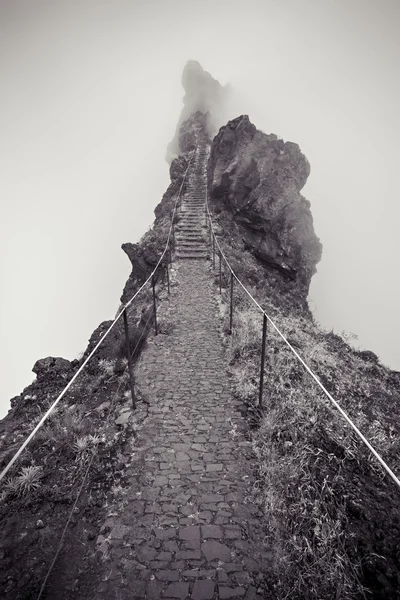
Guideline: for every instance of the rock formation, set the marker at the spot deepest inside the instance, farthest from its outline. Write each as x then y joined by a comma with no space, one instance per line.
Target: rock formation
257,178
203,94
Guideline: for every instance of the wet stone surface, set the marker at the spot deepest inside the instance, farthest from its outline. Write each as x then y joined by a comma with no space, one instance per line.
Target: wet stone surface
187,527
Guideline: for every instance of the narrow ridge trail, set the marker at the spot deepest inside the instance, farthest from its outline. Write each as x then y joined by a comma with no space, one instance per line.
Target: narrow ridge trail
188,527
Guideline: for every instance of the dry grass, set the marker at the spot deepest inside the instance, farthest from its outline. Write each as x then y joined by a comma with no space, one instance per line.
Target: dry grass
306,452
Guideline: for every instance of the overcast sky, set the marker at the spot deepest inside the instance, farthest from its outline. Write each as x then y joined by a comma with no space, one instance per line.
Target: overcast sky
90,95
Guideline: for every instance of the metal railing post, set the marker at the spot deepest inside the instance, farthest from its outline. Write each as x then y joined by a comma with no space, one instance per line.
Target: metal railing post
167,267
220,273
130,366
213,251
231,307
154,305
264,336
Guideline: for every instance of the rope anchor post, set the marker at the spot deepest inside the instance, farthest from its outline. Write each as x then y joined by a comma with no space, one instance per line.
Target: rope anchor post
213,250
154,305
264,336
168,283
231,307
129,356
220,272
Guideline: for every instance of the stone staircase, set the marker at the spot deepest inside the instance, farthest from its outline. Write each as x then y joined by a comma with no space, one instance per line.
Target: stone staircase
190,231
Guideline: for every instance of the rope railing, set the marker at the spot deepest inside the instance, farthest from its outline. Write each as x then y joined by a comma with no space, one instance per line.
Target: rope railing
217,249
122,312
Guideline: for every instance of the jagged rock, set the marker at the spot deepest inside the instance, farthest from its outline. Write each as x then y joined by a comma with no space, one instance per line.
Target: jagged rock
258,178
193,132
141,264
178,167
53,364
204,96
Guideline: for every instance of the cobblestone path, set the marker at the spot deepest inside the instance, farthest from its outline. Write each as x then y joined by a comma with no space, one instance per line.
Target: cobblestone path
188,529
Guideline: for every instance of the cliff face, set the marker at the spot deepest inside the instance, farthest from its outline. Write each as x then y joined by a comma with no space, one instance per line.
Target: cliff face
257,178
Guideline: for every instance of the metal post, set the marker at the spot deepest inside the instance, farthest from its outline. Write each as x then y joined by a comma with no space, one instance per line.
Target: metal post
231,308
264,336
220,273
213,250
173,238
167,267
154,305
130,367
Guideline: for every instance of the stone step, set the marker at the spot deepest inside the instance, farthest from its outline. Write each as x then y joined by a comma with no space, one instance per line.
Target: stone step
199,215
190,215
183,223
196,237
193,245
191,221
187,255
197,226
190,242
188,227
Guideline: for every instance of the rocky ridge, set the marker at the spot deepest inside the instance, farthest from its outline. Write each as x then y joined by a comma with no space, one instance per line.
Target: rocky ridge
256,180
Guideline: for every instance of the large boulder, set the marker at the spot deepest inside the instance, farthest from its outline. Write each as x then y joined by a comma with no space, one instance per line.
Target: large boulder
51,364
258,179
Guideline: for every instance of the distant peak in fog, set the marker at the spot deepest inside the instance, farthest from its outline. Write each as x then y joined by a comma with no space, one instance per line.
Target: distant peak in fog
202,93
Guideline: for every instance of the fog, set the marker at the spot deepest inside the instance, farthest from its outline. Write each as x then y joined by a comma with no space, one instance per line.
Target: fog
90,95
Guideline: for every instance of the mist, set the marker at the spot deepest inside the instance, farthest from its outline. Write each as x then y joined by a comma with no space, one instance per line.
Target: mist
90,98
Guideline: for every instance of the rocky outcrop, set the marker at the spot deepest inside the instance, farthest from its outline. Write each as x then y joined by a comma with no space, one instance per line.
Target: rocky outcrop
193,132
51,364
257,178
204,95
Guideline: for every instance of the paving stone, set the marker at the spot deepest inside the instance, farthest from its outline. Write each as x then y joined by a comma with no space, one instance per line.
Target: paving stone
160,480
232,567
214,467
165,534
154,589
146,553
170,546
157,565
190,534
211,498
203,589
225,593
188,555
182,456
206,515
211,531
186,521
177,590
215,550
167,556
168,575
137,588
